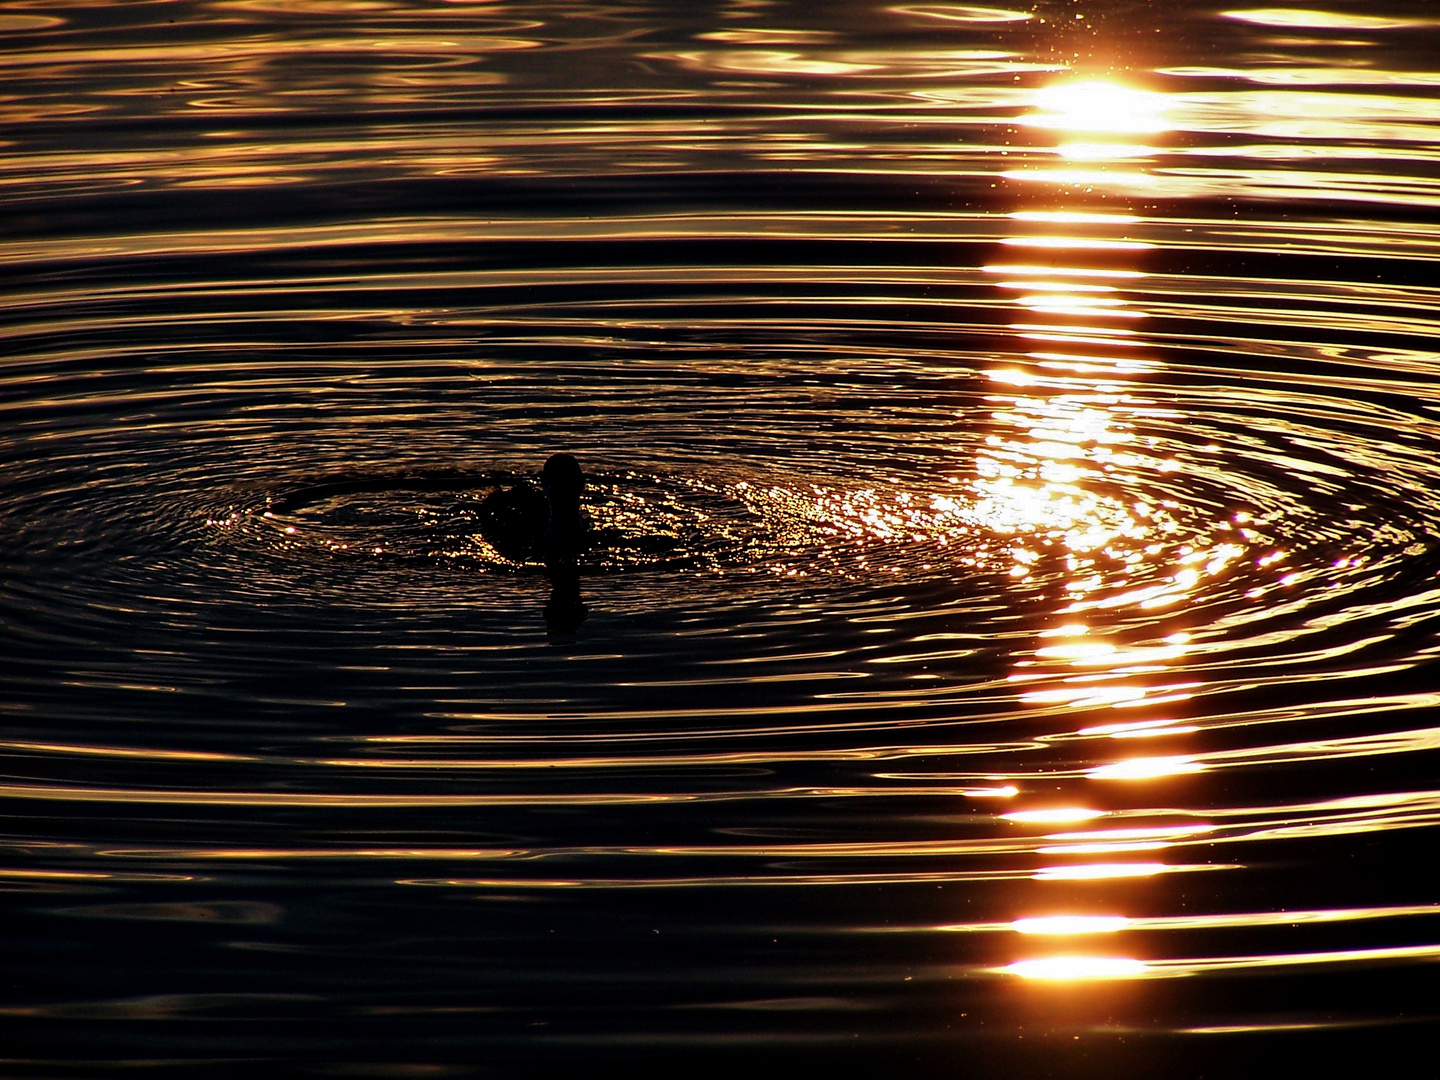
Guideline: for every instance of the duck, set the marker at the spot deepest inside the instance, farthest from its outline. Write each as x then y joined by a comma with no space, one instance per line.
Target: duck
523,524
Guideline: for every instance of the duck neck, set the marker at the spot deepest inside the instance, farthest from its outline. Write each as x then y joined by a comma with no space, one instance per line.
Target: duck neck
564,524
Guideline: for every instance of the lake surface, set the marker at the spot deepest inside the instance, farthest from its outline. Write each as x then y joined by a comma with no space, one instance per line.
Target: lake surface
1010,639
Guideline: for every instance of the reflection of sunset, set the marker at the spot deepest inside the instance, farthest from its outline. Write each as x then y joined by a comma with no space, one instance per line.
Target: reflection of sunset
1071,924
1116,848
1053,816
1078,967
1100,871
1106,117
1050,476
1165,832
1079,470
1146,768
1296,18
1096,105
1115,967
1073,471
1141,729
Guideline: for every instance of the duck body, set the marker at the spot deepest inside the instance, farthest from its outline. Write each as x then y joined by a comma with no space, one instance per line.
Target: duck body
514,520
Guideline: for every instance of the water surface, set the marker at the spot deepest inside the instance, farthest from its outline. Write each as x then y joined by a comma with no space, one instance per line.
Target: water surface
1011,437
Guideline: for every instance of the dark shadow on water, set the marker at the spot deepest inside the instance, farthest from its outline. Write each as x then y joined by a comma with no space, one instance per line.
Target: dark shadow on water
565,611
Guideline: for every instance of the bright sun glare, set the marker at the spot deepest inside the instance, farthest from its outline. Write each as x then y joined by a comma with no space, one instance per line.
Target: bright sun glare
1097,106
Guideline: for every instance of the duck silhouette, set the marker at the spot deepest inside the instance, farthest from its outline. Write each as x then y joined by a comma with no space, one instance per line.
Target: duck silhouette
523,524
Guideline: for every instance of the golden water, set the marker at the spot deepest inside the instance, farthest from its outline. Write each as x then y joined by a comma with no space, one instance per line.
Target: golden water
1012,435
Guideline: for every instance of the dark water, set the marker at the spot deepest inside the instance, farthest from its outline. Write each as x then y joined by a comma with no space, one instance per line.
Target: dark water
1012,437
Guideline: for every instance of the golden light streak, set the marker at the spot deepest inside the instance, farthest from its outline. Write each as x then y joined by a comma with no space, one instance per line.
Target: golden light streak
125,752
1117,848
1300,18
1055,286
1199,965
776,880
1101,151
1286,918
55,875
1140,729
1078,652
1227,920
1066,630
1084,178
81,875
1085,696
1146,768
1072,243
1110,337
1070,924
964,13
1077,217
1054,816
1110,967
1098,106
1073,968
453,763
1163,832
59,793
1316,712
1154,731
1101,871
1061,272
